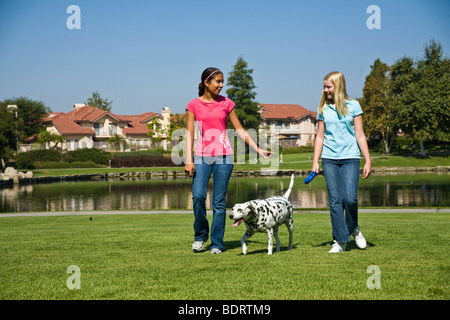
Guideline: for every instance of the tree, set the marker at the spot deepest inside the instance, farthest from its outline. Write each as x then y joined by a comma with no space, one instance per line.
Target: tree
402,79
378,117
116,141
48,137
97,102
177,121
8,134
420,96
154,130
241,91
19,123
433,94
29,116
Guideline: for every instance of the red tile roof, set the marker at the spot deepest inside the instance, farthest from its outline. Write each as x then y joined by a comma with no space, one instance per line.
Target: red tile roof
69,123
137,124
66,123
285,111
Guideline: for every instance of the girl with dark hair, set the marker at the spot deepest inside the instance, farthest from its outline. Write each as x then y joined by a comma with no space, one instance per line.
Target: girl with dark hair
213,155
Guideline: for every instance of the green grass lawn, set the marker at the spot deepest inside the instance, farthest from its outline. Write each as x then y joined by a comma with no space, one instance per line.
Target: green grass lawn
148,256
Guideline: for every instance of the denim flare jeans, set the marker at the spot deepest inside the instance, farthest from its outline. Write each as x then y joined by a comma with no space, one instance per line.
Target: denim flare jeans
221,168
342,177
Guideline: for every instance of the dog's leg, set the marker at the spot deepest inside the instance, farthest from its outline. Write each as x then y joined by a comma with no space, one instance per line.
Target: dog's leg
270,238
290,227
246,235
275,233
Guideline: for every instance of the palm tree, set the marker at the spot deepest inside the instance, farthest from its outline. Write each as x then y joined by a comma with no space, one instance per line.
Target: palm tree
47,137
116,141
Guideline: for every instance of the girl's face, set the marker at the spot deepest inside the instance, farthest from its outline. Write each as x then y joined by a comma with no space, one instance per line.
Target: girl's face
328,89
215,85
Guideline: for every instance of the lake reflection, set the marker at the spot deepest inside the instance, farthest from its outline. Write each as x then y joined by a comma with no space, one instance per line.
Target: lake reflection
377,191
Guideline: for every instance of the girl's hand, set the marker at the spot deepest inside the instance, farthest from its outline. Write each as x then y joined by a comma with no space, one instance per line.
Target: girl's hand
264,153
189,168
367,169
315,167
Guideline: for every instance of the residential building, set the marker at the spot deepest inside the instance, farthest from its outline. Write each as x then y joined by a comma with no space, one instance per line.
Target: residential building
295,125
89,127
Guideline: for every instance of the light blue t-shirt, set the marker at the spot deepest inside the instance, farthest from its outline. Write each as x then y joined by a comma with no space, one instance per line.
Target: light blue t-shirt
340,141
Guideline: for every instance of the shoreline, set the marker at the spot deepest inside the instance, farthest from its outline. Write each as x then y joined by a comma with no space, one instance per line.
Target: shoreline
209,212
177,174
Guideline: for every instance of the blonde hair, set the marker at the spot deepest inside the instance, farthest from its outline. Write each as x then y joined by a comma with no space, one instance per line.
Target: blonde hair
340,94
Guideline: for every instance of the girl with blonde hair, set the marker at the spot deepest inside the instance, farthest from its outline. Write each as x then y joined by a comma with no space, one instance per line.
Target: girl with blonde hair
340,139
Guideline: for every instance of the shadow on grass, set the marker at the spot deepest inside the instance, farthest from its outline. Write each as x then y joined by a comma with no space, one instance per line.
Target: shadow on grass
237,244
350,245
228,245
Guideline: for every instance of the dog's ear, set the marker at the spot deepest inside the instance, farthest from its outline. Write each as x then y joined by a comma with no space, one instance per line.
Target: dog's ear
252,208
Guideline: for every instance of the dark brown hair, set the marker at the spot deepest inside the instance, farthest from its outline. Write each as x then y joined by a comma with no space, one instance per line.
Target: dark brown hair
205,75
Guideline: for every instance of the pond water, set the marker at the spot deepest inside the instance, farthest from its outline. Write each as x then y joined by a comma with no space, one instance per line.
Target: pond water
416,190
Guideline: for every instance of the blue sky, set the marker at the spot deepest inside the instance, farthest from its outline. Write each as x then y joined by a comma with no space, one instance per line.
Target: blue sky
145,55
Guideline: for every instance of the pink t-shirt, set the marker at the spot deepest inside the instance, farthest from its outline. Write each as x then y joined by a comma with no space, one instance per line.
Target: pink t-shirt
211,118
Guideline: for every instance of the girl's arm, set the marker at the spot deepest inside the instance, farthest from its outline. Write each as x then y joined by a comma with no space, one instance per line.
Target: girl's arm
362,142
190,167
245,136
318,145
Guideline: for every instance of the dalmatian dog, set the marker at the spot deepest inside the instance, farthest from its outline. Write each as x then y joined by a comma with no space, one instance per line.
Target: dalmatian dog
265,216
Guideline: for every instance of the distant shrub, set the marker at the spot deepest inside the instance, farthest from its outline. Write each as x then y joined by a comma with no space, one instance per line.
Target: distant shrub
141,161
134,154
26,160
66,165
301,149
95,155
24,163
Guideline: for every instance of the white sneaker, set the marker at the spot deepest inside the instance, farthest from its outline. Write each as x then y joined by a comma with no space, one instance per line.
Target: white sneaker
359,239
215,251
197,246
338,247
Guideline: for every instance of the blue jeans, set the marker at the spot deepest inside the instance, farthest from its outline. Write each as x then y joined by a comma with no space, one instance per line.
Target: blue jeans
221,168
342,177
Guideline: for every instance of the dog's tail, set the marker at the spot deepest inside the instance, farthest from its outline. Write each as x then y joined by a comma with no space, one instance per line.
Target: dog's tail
286,195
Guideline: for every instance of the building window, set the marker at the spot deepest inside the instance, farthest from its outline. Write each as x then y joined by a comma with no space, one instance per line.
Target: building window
112,129
98,129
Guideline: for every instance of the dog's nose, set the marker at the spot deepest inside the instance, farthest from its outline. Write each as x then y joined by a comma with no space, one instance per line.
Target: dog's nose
231,216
